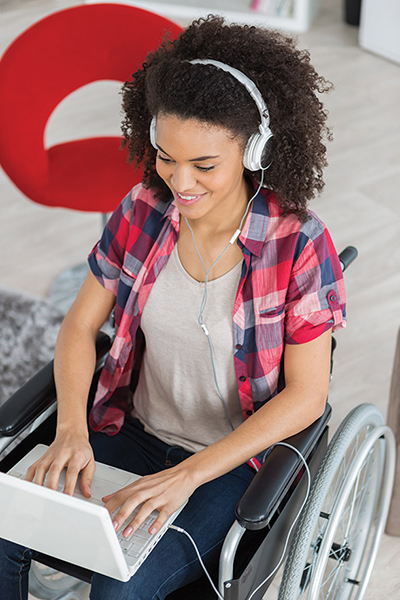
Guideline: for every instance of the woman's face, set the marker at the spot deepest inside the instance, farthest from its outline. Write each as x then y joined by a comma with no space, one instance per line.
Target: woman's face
202,165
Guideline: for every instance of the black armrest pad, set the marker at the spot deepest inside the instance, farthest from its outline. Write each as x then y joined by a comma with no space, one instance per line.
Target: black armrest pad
36,395
276,476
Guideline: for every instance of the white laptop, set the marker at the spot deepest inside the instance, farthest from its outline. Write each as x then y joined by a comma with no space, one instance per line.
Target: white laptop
75,529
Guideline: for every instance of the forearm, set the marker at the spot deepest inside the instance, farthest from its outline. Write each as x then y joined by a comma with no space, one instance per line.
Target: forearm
75,355
283,416
74,364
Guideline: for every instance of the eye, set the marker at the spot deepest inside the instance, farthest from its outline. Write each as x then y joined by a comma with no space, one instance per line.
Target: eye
205,169
164,159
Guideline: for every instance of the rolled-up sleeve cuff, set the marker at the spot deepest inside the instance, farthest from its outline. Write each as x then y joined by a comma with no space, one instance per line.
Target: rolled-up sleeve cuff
106,274
305,328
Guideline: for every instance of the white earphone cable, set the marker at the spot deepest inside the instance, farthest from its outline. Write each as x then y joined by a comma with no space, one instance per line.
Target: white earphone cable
203,304
198,556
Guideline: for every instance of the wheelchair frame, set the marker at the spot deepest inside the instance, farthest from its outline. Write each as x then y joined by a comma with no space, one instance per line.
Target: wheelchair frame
335,543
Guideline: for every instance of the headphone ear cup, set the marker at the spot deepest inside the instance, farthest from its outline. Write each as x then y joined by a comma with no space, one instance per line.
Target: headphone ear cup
153,132
258,154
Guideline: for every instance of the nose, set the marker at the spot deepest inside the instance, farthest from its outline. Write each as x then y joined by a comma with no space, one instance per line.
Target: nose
182,179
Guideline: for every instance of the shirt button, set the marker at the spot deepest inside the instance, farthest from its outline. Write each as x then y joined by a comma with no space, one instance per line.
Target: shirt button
332,298
239,346
249,413
242,378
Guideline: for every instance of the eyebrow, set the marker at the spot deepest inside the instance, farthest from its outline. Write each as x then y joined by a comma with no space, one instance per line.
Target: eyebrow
198,159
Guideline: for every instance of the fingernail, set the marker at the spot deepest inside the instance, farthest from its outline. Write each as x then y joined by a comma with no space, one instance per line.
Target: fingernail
128,531
115,525
152,530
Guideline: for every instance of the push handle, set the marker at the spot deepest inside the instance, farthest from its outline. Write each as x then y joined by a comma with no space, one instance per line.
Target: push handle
347,256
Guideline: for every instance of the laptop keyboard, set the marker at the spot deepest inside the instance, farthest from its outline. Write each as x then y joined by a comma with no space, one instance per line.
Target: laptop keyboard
133,545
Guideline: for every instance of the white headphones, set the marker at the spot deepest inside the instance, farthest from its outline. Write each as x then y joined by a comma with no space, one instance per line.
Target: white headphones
258,152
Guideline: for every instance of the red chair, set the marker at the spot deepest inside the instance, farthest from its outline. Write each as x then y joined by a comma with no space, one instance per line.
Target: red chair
47,62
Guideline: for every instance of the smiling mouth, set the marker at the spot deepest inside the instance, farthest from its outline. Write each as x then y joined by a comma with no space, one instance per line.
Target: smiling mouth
188,200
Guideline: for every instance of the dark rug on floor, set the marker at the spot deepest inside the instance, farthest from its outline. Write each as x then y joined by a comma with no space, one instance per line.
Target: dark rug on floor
28,331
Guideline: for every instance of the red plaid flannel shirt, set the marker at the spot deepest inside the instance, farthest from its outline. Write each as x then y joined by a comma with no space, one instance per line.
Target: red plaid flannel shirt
291,290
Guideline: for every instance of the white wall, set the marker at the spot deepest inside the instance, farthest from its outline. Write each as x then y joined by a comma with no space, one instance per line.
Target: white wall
380,27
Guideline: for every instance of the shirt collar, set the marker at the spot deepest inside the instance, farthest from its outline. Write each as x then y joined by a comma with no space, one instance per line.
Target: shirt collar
255,227
171,211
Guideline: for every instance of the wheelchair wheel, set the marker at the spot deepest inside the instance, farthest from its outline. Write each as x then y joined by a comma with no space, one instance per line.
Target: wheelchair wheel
48,584
338,534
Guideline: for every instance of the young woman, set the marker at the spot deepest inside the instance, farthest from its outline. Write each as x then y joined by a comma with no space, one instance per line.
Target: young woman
225,288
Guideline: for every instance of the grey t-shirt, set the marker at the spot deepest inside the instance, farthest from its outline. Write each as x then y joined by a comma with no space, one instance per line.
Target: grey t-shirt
176,398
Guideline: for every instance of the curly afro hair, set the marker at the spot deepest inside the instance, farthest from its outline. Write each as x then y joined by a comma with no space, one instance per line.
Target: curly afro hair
167,83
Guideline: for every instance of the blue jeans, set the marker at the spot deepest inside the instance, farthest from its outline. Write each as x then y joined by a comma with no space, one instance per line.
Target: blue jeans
173,563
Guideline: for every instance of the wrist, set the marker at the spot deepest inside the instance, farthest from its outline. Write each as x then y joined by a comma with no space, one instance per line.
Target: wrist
75,429
199,469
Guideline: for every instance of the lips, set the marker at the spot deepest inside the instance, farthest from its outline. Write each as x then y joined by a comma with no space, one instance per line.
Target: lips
186,199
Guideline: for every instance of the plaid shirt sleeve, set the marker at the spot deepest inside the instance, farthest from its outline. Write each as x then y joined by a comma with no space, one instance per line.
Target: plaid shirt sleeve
316,294
107,257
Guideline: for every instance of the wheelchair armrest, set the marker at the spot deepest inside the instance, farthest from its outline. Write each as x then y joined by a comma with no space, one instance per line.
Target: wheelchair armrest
36,395
276,475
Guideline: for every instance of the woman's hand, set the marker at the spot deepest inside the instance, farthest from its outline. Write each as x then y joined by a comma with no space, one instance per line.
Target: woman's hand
70,451
165,492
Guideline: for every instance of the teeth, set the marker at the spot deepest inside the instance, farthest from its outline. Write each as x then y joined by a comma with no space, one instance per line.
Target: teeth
186,197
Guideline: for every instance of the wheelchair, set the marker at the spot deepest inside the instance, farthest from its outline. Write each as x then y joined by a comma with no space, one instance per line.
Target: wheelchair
329,553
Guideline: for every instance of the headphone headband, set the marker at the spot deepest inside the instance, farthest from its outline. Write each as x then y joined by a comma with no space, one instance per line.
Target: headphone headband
258,153
244,80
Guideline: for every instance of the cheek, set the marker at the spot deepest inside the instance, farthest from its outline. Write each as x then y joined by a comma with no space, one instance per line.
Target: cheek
163,170
226,180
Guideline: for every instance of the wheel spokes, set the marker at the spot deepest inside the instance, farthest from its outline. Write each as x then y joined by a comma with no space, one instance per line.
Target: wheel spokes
348,528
